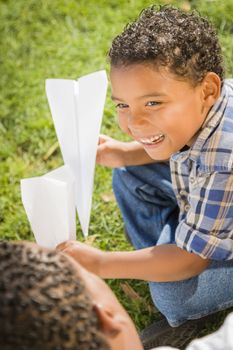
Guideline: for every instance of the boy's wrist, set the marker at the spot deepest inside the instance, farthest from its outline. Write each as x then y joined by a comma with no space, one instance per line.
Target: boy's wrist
102,264
134,154
107,265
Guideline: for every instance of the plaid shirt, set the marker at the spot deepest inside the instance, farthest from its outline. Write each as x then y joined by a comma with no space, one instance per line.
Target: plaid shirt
202,178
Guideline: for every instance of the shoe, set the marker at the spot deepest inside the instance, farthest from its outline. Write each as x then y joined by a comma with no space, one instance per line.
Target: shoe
160,333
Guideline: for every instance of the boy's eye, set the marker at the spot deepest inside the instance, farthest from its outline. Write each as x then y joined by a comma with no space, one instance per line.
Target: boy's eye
122,105
152,103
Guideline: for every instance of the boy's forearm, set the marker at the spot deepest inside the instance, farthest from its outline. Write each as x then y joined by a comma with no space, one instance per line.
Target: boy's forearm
136,155
159,264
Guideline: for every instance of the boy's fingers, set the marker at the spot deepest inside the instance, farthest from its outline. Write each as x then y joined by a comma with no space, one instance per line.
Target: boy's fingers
100,148
99,153
60,246
64,245
103,138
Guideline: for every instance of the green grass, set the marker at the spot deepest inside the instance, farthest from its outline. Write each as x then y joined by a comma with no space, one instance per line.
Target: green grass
66,39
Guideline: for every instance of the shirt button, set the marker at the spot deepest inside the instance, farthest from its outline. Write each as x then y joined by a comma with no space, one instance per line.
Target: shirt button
183,193
192,180
186,207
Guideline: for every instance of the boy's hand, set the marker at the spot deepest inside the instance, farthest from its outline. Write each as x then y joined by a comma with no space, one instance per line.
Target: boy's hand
88,257
111,152
114,154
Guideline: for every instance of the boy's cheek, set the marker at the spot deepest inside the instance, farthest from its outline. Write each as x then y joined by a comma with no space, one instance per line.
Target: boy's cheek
123,125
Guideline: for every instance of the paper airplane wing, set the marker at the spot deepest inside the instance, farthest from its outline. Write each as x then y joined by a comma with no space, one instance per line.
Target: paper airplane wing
90,101
77,109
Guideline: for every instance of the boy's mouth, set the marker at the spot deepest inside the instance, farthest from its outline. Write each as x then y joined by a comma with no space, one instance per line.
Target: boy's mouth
153,140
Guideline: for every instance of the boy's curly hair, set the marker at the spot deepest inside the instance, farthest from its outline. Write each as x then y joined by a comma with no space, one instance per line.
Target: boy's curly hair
166,36
43,303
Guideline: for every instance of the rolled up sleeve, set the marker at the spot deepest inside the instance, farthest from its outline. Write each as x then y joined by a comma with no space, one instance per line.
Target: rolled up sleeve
207,227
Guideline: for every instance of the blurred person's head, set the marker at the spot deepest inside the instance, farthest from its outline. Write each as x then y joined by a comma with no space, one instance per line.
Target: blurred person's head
49,302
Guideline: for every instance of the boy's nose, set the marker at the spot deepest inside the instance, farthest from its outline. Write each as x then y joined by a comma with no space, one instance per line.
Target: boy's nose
136,119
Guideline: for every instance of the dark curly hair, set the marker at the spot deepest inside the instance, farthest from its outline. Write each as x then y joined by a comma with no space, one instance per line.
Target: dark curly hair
166,36
43,303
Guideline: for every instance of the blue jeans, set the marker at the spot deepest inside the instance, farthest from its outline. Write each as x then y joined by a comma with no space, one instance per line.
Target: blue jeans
150,212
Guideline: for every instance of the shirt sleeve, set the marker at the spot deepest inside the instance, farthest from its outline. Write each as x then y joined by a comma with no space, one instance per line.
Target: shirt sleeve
207,228
219,340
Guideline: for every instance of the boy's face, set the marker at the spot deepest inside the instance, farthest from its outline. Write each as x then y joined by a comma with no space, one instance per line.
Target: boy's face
115,315
156,109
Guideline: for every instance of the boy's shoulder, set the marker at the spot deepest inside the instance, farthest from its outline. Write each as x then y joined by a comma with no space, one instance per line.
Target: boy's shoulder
216,153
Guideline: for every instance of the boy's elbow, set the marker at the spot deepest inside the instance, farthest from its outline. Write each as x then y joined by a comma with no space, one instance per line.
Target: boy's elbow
195,265
177,264
189,264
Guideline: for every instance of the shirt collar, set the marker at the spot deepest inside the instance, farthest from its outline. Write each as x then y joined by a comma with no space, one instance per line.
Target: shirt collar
213,118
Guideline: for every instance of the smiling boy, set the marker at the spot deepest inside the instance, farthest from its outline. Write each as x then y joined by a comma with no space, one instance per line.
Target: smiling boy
174,181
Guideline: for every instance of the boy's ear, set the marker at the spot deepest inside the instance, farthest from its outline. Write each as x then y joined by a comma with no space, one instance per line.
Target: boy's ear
111,324
211,88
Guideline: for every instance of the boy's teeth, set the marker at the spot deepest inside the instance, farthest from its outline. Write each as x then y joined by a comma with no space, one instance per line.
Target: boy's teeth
152,139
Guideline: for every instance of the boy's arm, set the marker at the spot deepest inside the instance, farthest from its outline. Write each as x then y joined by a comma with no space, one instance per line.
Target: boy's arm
159,264
162,263
114,153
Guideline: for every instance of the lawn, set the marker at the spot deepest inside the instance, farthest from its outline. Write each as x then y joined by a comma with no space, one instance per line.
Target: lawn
66,39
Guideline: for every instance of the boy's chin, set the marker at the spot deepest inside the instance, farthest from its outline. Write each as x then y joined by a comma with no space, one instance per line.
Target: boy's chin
158,156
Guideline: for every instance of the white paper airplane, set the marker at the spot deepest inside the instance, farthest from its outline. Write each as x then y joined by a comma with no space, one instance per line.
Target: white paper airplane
50,206
77,109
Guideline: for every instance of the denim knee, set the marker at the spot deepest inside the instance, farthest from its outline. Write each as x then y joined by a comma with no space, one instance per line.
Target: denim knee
196,297
174,299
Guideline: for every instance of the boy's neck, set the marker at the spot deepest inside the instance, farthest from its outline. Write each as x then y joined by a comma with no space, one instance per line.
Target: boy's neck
185,148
